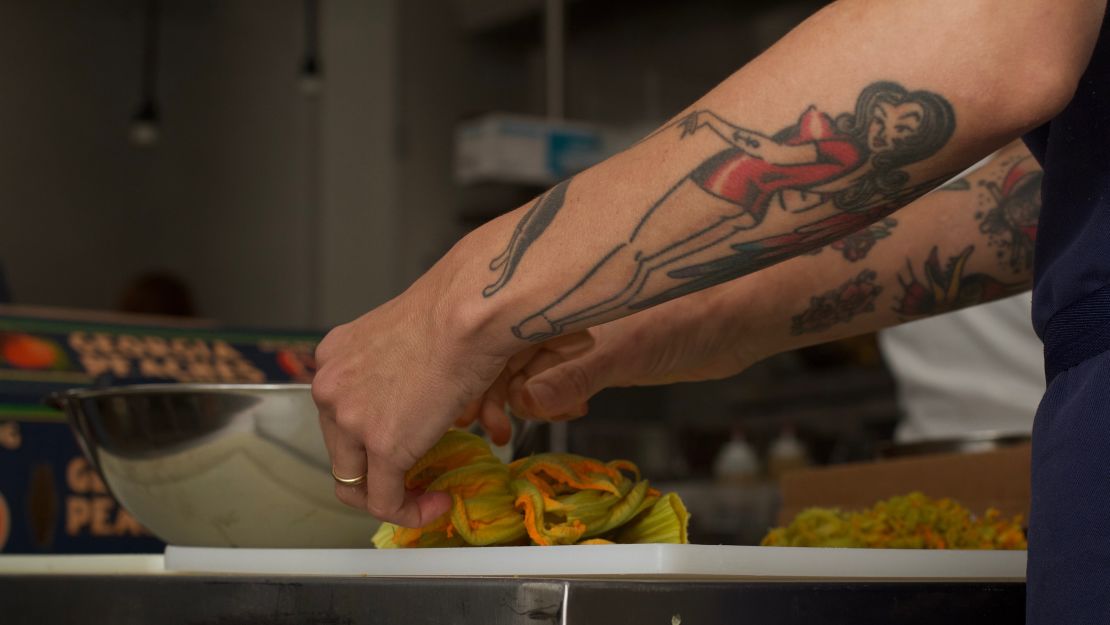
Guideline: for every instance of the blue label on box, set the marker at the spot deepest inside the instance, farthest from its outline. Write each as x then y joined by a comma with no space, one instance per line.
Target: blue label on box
54,502
51,499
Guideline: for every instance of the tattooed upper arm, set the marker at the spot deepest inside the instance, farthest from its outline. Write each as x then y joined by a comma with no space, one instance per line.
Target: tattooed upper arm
708,227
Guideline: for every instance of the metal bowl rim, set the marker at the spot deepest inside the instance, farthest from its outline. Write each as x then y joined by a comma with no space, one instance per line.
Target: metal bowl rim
174,388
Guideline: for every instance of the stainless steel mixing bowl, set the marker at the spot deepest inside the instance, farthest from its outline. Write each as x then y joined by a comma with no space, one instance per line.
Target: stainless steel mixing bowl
217,464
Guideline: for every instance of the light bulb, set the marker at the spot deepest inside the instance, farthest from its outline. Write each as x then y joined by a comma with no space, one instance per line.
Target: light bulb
310,81
310,84
144,129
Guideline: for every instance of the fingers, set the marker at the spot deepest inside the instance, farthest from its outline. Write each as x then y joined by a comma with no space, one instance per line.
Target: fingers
570,345
349,462
521,358
557,382
469,415
384,496
492,415
489,411
561,392
525,406
496,422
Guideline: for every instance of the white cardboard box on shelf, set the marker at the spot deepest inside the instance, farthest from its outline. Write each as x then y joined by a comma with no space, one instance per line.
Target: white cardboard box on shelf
501,147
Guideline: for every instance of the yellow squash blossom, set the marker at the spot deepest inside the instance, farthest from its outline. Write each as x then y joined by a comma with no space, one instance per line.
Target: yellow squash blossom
545,499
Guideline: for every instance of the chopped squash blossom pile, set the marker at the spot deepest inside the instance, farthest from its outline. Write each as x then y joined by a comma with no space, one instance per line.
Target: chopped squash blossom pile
545,499
912,521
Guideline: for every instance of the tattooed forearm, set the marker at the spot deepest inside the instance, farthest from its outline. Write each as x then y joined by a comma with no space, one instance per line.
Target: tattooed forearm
528,229
839,305
994,208
855,246
843,173
948,287
756,255
1014,208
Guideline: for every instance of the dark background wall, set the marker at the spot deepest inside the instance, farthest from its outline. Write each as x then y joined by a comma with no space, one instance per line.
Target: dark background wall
248,177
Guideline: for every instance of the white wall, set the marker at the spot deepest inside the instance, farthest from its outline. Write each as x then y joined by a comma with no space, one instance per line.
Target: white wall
276,208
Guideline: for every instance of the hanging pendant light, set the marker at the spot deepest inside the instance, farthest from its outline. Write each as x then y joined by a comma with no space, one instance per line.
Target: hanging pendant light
144,124
311,76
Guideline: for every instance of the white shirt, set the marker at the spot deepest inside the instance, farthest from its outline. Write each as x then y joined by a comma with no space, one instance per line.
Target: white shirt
977,369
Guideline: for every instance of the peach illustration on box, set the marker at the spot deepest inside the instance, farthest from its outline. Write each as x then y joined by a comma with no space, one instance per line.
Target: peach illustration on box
26,351
10,438
299,365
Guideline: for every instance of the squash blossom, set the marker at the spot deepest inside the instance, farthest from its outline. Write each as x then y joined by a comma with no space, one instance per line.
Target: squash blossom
545,499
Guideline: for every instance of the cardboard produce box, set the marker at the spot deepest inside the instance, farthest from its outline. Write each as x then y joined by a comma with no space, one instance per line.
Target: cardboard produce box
992,479
51,499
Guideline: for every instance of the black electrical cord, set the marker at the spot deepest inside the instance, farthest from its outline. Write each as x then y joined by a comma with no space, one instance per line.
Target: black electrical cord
311,70
144,125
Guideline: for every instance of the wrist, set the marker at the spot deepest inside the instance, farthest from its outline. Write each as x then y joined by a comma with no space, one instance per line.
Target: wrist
741,319
478,322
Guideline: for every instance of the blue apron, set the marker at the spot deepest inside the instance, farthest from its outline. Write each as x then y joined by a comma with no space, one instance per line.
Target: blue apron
1069,524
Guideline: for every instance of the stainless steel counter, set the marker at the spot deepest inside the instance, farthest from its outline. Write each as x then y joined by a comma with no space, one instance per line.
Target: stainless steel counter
171,599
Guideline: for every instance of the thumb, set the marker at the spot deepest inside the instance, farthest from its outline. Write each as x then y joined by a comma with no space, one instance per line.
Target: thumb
563,391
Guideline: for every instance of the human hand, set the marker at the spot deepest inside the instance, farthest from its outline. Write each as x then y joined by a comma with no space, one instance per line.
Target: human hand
388,386
680,341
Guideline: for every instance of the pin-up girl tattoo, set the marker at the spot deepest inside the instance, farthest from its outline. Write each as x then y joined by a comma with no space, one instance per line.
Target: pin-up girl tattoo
852,162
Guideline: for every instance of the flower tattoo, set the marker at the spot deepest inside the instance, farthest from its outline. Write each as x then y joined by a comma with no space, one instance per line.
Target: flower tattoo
855,246
947,287
839,305
1011,223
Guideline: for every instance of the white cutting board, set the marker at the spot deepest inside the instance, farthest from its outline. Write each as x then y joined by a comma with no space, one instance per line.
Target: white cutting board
656,561
123,564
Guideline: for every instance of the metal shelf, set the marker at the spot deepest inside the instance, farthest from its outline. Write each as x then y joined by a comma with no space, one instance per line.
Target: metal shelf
173,600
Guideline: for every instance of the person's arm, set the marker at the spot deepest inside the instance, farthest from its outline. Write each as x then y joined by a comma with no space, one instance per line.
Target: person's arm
967,243
941,81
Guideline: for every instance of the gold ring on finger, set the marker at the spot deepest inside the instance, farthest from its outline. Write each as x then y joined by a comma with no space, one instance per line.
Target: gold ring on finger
348,481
